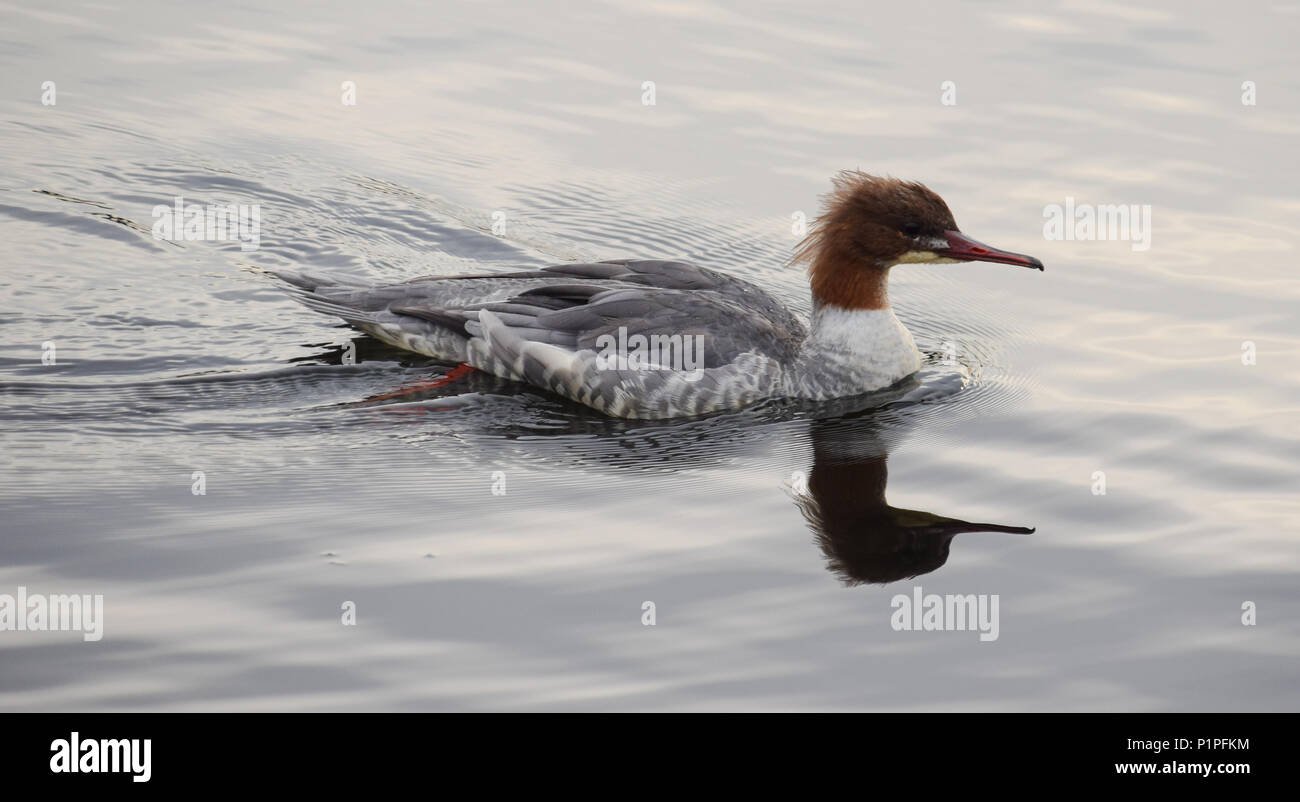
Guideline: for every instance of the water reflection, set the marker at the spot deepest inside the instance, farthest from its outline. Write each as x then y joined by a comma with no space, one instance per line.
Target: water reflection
865,540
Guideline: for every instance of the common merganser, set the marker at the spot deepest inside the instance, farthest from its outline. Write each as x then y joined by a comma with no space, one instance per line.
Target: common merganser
659,339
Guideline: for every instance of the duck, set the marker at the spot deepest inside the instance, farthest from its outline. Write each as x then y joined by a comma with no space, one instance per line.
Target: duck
658,339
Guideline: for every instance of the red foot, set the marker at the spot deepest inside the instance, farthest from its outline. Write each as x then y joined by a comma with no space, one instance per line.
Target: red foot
456,373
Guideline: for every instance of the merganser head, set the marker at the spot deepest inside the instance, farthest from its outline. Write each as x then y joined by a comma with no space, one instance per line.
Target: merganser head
870,224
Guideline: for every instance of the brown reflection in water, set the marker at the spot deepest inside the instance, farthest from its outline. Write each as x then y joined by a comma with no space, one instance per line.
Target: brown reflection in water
864,539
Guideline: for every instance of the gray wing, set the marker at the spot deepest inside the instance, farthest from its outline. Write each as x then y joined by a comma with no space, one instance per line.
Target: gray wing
554,328
583,316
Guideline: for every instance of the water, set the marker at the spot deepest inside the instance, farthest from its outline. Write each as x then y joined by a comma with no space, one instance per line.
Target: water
177,358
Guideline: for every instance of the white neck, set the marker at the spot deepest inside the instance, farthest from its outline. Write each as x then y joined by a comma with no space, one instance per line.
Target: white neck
849,351
855,329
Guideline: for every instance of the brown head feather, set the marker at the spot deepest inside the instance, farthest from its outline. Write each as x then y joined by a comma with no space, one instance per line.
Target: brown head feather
859,236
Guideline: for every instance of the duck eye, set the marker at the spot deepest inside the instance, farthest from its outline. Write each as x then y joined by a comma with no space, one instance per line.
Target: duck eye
911,229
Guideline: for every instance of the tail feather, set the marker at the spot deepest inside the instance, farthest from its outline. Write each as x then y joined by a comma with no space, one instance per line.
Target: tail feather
305,283
331,307
310,280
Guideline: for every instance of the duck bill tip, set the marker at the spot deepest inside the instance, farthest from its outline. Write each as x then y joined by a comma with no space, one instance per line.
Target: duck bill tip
963,248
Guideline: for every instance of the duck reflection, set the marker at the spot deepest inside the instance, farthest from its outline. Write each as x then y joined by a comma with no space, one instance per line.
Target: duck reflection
865,540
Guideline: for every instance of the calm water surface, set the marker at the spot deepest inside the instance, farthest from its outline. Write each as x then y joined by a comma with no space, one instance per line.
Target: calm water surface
327,482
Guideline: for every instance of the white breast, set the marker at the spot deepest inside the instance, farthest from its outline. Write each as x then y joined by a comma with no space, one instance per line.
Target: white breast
852,351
